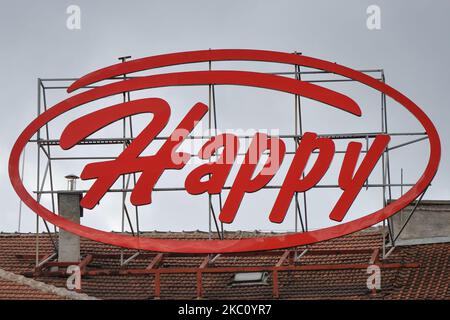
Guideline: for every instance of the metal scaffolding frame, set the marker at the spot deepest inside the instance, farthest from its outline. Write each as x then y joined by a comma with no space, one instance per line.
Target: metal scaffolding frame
286,261
45,143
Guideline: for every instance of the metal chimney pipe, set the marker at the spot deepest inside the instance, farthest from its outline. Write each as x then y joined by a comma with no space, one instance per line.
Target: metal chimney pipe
72,182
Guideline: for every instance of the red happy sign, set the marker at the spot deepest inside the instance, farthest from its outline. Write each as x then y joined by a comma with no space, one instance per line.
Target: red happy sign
104,174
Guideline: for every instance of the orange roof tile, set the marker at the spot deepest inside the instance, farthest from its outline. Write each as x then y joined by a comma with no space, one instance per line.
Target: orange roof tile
429,280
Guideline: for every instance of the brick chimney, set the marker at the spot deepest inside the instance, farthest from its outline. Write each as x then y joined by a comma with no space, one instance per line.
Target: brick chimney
70,209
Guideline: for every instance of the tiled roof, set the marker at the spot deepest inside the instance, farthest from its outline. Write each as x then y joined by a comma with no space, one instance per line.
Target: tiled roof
416,272
10,290
17,287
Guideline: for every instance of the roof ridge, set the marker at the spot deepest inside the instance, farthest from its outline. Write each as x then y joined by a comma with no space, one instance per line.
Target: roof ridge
44,287
373,229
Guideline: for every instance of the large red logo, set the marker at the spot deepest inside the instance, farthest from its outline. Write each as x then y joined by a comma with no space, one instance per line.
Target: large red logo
105,173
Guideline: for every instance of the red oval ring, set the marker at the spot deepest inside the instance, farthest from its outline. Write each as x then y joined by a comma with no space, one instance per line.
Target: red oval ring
223,246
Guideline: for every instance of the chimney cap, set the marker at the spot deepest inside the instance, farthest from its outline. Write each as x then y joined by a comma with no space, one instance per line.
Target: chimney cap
72,177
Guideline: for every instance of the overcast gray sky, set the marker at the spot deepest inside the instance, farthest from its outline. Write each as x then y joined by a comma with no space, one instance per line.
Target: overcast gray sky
412,47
